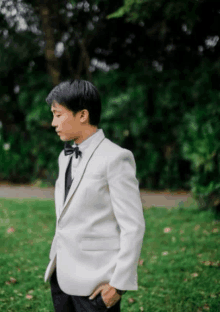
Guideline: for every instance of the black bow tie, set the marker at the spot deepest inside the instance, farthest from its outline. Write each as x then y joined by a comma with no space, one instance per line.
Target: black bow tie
68,150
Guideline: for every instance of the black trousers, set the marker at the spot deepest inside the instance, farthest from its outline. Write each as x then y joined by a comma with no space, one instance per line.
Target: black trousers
66,303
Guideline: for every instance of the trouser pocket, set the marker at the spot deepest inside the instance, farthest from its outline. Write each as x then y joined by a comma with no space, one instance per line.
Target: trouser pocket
99,303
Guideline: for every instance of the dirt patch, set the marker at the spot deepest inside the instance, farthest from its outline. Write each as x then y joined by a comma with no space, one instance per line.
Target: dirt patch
166,199
149,198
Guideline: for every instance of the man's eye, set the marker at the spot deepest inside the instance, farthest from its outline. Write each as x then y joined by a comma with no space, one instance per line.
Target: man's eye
57,116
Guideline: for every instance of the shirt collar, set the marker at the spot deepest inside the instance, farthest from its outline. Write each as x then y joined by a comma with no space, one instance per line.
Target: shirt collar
85,144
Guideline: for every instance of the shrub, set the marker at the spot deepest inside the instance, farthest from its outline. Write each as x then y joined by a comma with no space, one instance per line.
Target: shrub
200,142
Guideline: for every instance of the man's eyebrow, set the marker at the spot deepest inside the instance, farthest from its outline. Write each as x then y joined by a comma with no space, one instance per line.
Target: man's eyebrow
55,110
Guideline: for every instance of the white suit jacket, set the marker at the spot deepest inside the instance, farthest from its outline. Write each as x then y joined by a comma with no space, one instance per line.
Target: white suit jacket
100,227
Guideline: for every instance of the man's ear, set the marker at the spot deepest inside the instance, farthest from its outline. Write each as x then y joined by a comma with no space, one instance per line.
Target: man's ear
84,116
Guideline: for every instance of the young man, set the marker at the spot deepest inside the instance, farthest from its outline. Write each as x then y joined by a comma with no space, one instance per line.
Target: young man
100,224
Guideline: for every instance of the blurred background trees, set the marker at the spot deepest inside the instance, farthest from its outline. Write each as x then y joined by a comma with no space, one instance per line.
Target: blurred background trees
156,65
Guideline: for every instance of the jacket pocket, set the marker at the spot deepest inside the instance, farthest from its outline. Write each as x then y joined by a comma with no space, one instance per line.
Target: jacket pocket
110,243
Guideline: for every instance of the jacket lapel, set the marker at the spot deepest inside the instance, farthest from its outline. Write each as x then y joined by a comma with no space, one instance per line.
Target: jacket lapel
80,169
61,189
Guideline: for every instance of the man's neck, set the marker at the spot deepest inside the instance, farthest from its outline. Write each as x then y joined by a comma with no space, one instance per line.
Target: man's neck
86,134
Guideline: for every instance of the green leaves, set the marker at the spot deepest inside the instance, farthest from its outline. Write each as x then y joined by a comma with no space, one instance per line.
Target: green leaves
124,9
119,13
73,3
202,147
137,10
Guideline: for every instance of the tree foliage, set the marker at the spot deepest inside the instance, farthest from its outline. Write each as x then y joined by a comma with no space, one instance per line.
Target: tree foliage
156,64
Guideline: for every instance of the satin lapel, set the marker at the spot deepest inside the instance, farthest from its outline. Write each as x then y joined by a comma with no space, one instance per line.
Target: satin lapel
63,167
81,169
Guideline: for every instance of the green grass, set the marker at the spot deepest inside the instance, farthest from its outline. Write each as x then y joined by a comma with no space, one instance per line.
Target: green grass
179,268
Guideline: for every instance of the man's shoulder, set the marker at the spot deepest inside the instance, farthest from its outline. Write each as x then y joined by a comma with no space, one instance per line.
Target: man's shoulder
112,149
114,155
111,146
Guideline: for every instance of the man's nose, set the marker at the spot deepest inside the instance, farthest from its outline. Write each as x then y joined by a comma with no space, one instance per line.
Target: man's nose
53,123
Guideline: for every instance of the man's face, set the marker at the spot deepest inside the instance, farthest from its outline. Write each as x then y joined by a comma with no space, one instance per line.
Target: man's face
67,126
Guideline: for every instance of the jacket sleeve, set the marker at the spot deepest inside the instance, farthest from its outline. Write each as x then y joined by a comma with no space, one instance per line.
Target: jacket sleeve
127,207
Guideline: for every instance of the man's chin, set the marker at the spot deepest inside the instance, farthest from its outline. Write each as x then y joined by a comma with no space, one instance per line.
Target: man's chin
64,138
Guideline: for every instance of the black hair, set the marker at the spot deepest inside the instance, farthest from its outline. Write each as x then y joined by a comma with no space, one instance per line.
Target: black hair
77,95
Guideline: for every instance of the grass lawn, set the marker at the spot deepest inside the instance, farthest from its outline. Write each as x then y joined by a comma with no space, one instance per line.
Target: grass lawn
179,267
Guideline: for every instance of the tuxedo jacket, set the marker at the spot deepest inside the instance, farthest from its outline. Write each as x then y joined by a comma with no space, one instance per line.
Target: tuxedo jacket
100,226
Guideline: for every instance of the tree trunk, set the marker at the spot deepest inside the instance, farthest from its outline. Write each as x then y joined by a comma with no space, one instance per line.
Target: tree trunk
52,62
84,60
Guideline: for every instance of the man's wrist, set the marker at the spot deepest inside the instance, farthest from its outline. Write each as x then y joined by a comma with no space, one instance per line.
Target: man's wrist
120,292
